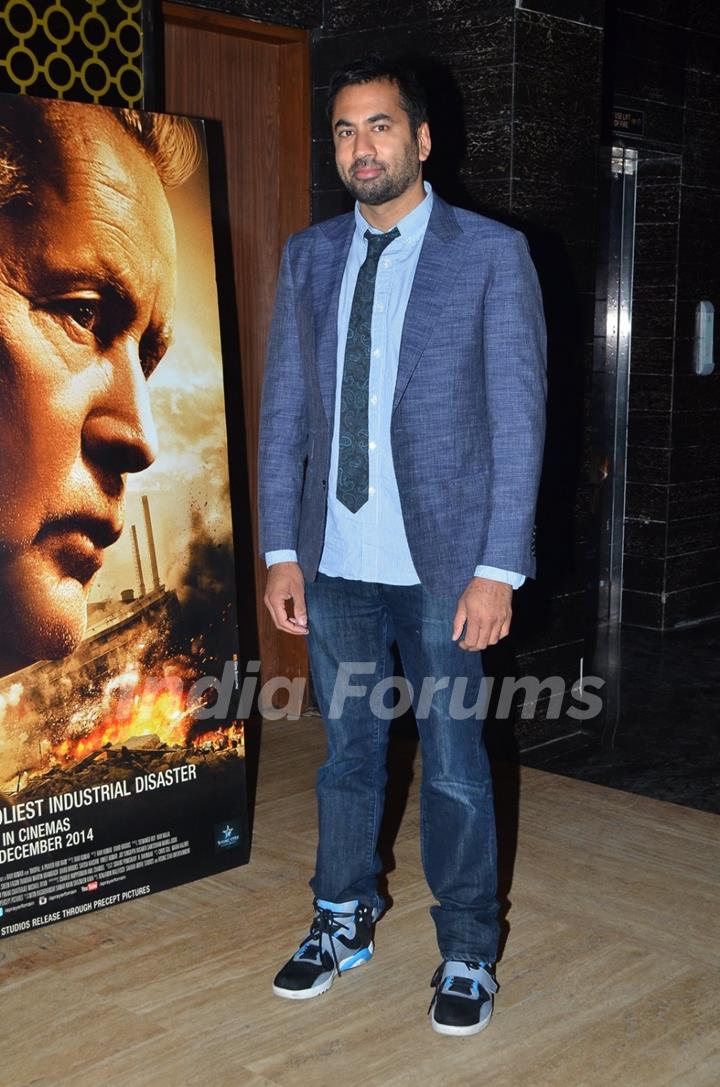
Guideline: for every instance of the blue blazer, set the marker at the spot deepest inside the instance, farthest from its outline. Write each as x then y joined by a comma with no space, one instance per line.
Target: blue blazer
469,407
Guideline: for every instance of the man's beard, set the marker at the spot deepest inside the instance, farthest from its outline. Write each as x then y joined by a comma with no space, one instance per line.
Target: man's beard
387,186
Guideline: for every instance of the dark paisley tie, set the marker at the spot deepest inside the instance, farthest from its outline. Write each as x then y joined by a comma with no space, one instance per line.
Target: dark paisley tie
352,480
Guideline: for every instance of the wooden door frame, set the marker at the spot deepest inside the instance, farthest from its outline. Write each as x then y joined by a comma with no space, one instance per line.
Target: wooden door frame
294,150
280,655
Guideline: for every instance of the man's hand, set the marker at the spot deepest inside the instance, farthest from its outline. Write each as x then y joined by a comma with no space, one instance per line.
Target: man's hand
485,610
285,582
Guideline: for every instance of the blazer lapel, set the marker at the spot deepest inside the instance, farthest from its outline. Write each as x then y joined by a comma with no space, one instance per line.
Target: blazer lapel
333,246
436,270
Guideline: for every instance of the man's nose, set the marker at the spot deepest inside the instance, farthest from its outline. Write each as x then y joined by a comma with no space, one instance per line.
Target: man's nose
364,145
119,431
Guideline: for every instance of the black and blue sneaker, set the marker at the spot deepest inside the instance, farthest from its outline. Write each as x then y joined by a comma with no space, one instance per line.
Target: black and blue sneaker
463,1000
340,938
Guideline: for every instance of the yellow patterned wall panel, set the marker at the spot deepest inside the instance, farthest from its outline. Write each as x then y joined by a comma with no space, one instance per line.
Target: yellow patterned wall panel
84,50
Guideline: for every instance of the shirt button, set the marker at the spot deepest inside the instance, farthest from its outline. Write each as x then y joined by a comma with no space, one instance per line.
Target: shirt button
376,352
387,263
380,307
371,490
373,399
372,445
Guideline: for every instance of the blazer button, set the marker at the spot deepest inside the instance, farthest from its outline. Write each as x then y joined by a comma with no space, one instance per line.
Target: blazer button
324,483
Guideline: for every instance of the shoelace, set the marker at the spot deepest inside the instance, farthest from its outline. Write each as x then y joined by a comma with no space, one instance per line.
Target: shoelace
324,923
462,986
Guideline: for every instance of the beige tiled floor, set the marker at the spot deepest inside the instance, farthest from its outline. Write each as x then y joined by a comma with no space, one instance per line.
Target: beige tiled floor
610,975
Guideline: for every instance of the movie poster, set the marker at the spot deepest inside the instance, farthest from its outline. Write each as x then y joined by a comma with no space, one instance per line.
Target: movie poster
121,761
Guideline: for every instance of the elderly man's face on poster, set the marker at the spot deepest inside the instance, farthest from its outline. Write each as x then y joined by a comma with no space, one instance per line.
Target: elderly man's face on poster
87,280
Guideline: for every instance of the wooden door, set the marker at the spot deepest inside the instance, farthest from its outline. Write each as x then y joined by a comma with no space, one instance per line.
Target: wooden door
254,79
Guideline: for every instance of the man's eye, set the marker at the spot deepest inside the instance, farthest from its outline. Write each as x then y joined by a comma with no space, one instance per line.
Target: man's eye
82,311
79,315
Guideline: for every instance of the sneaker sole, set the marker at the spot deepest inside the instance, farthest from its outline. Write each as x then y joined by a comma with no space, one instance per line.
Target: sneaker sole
443,1028
318,990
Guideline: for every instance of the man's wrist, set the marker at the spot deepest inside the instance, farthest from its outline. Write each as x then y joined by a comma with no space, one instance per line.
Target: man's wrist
494,573
285,555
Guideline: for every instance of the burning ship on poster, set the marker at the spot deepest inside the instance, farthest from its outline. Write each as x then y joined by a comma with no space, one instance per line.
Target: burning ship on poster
134,698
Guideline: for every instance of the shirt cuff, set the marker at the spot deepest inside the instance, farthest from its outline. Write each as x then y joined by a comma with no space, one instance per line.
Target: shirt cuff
271,557
506,576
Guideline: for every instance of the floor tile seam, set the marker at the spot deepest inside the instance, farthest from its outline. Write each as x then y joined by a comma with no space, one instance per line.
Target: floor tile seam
656,861
619,801
594,901
28,977
684,824
662,858
271,803
9,1058
94,1066
644,938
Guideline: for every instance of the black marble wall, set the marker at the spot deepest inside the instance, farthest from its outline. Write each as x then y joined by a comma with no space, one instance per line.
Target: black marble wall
300,13
664,59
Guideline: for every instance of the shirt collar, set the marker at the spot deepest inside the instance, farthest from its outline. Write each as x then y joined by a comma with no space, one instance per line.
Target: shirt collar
410,226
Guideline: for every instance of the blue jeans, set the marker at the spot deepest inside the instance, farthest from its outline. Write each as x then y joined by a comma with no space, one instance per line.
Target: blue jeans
353,625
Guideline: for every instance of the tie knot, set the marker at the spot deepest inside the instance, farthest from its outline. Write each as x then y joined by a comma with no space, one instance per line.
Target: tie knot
377,243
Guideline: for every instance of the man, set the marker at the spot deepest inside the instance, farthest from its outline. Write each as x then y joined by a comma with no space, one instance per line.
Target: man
87,282
401,439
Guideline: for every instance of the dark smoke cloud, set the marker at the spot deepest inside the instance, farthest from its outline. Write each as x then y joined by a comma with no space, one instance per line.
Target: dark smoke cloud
204,581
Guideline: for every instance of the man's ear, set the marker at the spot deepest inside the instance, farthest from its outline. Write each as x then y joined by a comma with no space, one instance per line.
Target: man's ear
423,140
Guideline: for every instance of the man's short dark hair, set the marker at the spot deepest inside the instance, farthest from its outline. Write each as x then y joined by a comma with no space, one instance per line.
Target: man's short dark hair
372,67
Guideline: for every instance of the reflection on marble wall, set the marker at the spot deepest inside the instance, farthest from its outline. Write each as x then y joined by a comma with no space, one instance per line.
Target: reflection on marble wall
667,64
653,357
591,12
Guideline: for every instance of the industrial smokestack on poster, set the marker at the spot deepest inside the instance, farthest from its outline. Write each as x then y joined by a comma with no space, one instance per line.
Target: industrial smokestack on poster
121,753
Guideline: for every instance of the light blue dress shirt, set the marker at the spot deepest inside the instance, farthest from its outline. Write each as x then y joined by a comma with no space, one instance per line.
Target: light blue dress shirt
371,544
